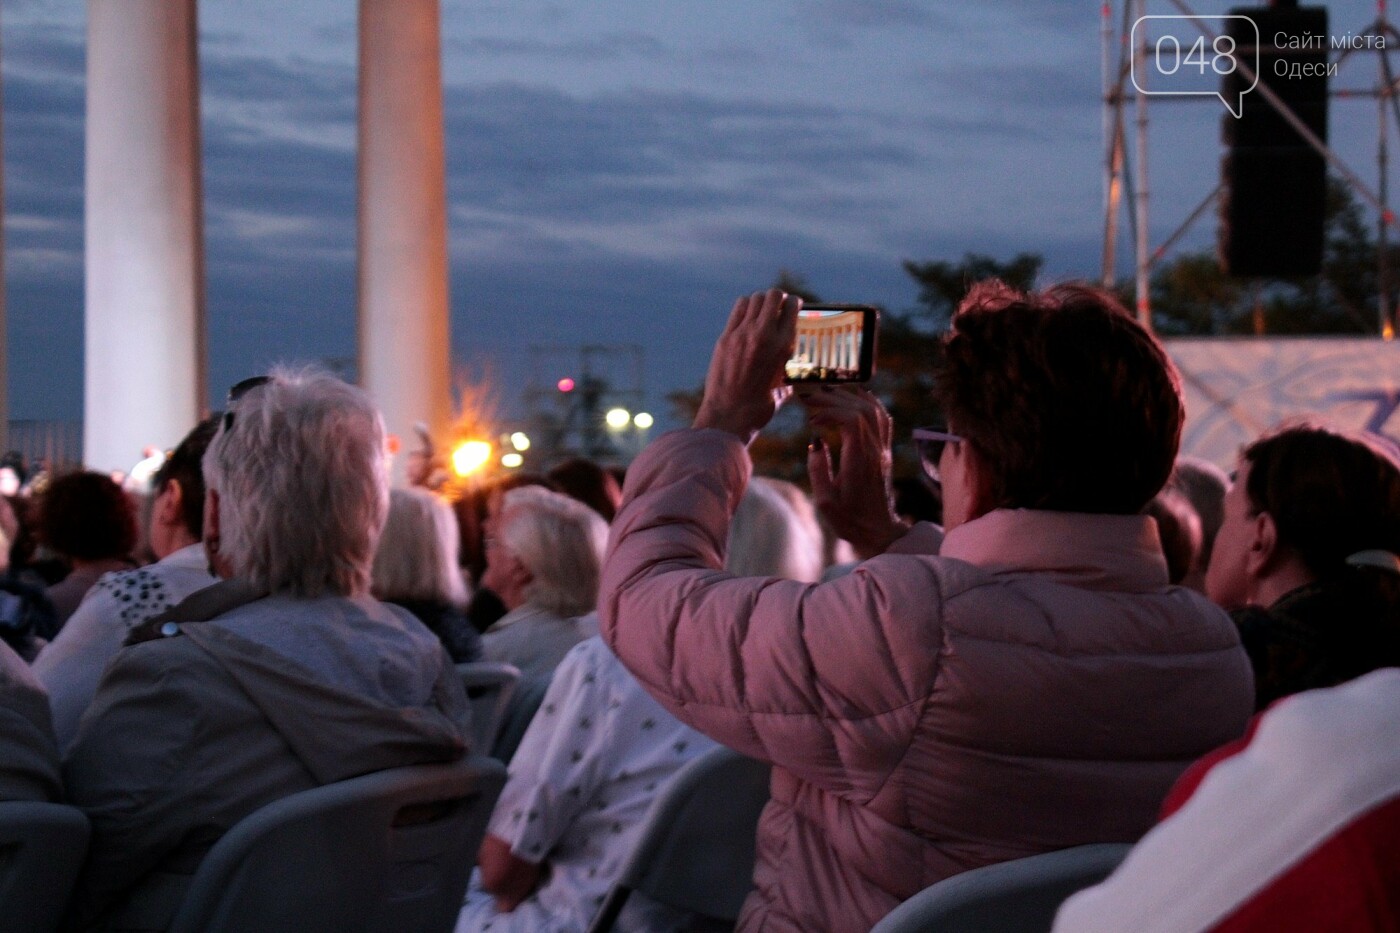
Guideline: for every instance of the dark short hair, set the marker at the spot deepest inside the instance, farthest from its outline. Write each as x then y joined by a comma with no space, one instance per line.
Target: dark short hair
1067,402
87,516
1329,493
589,483
185,465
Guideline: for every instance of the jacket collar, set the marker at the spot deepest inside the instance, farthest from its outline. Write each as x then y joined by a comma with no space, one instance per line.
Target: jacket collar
190,556
1110,552
520,614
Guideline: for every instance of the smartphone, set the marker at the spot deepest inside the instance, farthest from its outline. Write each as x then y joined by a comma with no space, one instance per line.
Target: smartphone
835,343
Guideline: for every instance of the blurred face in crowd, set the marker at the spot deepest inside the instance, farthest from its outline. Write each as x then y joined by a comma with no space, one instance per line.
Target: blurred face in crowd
1237,552
505,574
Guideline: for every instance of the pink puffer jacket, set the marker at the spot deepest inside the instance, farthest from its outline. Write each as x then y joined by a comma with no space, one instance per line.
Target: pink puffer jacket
1037,686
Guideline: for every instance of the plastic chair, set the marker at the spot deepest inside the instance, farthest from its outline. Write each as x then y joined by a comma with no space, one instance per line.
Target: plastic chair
1020,896
42,847
389,852
696,849
489,686
521,709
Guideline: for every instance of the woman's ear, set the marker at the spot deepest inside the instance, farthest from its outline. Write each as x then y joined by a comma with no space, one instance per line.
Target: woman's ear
1263,545
170,504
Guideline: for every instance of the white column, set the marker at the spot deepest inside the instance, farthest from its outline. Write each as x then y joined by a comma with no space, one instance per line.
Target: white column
145,377
405,345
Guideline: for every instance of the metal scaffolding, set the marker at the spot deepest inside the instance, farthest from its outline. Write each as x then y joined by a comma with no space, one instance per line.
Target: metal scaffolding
1124,174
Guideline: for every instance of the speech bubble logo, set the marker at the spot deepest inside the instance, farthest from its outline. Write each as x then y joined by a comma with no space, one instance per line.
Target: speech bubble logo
1188,52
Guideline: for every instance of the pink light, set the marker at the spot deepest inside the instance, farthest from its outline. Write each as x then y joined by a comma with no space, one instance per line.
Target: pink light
566,384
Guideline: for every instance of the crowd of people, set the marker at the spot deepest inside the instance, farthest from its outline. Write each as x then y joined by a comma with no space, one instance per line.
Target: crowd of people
1098,641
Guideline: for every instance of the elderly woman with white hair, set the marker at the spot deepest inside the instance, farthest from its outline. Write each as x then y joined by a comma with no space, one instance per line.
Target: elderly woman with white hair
543,554
285,676
416,568
598,753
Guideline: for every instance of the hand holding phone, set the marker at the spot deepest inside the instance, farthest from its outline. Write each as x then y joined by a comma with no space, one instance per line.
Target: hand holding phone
744,386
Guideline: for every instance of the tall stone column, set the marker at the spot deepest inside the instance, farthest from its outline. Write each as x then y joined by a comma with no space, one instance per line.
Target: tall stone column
145,375
405,344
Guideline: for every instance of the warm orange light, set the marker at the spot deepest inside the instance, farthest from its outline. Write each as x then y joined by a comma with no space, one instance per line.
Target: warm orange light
470,457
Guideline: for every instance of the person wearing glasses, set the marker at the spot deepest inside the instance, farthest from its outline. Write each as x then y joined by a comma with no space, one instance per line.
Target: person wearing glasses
1024,679
284,676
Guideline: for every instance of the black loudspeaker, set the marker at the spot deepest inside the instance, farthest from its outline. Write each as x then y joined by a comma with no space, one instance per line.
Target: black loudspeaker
1272,210
1274,192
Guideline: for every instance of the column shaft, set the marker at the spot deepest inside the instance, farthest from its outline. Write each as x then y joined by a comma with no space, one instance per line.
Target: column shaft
144,340
404,338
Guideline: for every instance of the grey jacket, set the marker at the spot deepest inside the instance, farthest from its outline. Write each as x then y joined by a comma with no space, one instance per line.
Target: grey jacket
199,722
28,756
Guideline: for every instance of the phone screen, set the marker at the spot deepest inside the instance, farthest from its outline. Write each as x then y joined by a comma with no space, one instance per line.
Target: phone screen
835,343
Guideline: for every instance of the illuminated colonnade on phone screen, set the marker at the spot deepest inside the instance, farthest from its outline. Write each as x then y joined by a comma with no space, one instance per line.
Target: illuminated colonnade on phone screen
830,342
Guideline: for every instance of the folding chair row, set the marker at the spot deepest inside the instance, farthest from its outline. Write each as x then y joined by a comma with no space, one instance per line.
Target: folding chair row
388,852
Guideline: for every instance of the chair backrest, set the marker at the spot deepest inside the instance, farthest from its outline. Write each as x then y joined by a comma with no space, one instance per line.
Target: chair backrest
1020,896
42,847
521,709
696,850
389,851
489,686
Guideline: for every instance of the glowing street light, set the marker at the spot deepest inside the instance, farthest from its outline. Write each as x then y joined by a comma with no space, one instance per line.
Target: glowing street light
512,461
520,441
618,418
643,420
470,457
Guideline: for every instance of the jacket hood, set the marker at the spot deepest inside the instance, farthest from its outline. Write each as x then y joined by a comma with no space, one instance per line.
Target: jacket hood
351,685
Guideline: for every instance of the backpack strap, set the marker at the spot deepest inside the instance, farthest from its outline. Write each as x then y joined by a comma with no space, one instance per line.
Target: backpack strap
200,606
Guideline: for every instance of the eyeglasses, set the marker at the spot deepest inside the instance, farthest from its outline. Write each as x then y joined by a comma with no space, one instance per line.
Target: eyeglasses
239,390
930,443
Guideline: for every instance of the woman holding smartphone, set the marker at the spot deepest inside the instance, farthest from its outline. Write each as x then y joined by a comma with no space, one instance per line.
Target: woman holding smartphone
1028,682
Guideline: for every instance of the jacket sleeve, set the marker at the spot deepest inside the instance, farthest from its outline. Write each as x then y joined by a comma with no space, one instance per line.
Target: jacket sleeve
827,681
71,665
559,765
28,756
125,771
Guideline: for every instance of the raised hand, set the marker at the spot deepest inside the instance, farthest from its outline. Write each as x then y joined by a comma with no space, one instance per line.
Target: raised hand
744,386
856,497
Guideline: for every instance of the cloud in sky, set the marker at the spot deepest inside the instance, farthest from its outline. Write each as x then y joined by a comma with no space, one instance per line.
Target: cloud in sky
618,171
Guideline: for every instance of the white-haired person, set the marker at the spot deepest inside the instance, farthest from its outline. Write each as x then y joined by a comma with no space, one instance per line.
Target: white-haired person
416,567
71,665
543,553
1027,682
595,756
285,676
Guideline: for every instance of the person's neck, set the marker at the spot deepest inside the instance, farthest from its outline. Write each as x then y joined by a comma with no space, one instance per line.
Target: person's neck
1280,583
177,540
101,564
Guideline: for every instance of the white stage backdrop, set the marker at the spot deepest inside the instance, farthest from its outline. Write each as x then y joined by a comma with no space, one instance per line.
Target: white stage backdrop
1237,387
